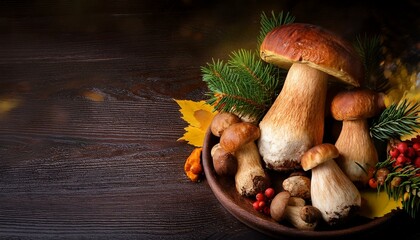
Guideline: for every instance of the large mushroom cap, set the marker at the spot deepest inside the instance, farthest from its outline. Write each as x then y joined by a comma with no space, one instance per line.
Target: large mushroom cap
318,154
356,104
315,46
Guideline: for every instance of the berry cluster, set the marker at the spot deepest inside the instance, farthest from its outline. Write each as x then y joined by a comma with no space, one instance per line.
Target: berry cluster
405,153
263,201
401,154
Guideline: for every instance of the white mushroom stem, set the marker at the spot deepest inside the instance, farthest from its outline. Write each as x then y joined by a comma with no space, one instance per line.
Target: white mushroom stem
295,121
250,177
333,193
357,151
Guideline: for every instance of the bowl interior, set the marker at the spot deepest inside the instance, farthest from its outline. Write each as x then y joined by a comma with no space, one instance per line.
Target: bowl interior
241,207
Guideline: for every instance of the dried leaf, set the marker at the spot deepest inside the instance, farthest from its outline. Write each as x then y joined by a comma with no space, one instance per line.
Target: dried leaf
193,167
199,116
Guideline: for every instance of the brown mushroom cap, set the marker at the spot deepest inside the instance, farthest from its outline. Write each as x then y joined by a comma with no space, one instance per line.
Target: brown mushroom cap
221,121
356,104
317,155
310,214
315,46
224,163
278,205
238,134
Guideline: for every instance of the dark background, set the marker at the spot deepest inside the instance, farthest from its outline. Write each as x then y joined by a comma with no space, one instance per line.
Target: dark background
75,166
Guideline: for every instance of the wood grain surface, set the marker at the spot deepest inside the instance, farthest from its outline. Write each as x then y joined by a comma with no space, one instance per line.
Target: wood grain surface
88,123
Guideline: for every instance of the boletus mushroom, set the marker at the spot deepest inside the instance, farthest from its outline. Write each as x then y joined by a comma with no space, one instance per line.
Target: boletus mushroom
332,192
298,186
357,149
295,121
294,211
221,121
224,163
239,139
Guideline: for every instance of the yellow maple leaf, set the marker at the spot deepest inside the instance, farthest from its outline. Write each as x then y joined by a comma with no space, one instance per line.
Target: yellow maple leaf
199,116
377,204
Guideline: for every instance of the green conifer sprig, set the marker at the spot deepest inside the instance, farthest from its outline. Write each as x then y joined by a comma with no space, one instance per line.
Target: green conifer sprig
244,85
397,120
402,184
248,65
369,49
269,22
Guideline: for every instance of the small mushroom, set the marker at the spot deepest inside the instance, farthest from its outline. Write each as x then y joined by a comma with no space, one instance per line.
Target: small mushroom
237,135
357,149
296,201
221,121
298,186
224,162
304,217
295,121
332,192
239,139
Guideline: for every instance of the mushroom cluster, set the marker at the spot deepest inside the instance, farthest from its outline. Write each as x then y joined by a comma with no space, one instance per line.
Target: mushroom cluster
290,136
237,153
295,121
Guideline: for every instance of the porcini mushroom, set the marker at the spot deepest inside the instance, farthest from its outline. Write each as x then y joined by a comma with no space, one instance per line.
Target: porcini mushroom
357,149
221,121
295,121
332,192
224,163
298,186
239,139
303,217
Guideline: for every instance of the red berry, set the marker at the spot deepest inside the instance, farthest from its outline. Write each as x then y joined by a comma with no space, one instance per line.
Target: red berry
411,153
373,183
394,152
416,146
261,204
260,197
402,147
401,160
416,162
256,205
269,193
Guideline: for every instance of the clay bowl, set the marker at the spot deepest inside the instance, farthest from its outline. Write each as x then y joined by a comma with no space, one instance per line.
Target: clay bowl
241,207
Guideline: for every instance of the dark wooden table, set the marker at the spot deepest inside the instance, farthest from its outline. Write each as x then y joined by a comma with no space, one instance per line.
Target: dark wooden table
88,121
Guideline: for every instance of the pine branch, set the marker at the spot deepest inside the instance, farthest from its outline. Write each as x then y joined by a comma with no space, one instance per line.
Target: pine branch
267,76
269,22
244,85
396,120
402,183
369,49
